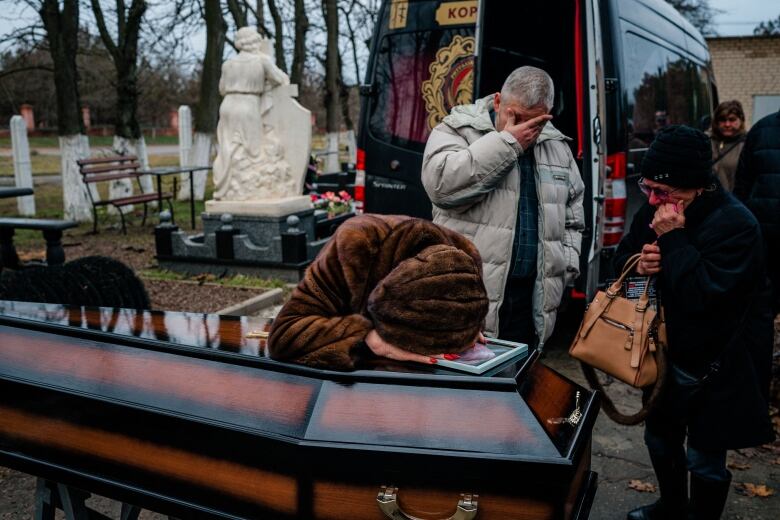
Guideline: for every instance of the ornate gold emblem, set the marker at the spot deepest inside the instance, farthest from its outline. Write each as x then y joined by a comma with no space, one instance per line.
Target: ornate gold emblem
452,79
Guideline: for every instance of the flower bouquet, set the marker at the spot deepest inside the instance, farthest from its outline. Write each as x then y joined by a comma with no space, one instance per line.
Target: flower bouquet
332,203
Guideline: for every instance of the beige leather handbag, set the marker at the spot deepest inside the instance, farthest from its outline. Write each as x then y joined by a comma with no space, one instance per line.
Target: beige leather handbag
620,336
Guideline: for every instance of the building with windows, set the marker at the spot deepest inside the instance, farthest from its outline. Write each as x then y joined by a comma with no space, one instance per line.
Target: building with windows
747,68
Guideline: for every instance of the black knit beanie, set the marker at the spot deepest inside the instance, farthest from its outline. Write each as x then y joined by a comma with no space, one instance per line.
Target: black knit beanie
680,156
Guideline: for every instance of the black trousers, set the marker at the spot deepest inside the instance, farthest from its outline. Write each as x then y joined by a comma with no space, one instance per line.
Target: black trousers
516,316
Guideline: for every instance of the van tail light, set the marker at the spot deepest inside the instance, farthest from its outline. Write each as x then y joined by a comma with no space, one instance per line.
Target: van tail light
360,180
615,200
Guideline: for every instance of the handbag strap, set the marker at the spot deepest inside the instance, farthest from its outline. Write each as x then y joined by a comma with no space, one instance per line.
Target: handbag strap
612,292
647,405
617,286
727,150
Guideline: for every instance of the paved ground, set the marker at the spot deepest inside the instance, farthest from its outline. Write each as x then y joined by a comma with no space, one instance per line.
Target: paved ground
619,456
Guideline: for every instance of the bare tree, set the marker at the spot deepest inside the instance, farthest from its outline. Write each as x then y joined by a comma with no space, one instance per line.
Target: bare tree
332,73
62,31
299,50
768,28
239,12
62,27
698,12
357,15
207,110
128,139
276,16
260,16
124,54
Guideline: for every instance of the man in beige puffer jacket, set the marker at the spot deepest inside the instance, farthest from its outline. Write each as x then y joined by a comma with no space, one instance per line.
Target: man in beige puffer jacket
528,228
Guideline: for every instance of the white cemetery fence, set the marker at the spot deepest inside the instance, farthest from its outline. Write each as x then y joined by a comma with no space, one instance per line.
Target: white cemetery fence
185,150
22,165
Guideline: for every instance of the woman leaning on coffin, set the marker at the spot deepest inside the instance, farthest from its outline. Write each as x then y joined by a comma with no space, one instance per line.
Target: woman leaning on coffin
704,249
384,286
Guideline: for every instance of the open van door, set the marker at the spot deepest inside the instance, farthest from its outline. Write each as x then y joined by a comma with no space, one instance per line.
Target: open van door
563,38
594,171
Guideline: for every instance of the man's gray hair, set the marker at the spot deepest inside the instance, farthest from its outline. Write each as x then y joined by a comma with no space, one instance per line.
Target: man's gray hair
530,87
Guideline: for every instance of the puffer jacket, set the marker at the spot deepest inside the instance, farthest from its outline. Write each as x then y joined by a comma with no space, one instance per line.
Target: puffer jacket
758,186
472,176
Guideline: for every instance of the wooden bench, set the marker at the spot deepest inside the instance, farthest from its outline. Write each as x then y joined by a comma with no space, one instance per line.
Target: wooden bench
106,169
52,233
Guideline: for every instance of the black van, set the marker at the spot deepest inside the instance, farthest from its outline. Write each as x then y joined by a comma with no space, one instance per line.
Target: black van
622,70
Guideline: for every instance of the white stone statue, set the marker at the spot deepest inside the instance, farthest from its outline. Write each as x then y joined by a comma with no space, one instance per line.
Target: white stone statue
250,163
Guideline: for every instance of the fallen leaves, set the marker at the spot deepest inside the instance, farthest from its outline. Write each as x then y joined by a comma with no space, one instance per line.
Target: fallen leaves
641,486
748,453
754,490
28,256
732,464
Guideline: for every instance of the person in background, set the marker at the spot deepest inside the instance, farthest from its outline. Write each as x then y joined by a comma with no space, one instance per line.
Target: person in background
728,137
758,186
703,248
499,173
384,287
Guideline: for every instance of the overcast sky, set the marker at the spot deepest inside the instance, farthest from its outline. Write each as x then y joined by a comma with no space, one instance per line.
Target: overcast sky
741,16
737,17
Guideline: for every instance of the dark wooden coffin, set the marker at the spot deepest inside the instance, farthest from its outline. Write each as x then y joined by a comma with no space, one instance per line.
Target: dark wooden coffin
183,414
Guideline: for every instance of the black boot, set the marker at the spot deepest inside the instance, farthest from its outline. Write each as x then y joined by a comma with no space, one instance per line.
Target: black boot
708,497
673,484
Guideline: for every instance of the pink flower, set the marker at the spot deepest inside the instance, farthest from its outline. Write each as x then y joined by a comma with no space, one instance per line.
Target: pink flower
344,195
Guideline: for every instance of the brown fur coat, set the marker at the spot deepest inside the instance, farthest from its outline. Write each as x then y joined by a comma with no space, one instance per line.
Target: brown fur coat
428,304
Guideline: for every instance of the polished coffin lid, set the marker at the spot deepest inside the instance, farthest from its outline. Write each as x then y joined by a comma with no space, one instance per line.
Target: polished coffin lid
192,401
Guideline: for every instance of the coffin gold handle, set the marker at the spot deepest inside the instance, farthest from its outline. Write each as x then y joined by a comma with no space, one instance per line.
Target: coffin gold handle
387,499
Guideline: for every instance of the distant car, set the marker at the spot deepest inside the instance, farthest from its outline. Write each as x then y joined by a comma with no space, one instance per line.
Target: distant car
622,70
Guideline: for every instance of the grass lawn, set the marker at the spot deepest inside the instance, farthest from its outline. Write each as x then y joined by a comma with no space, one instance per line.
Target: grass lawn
94,140
48,204
41,165
50,164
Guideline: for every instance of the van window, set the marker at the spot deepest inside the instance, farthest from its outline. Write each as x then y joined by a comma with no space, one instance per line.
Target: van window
419,76
662,88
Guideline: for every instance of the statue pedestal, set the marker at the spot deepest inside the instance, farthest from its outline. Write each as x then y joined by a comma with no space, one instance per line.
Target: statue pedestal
260,208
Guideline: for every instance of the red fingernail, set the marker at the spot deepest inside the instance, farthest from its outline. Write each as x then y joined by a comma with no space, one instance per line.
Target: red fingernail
451,357
433,360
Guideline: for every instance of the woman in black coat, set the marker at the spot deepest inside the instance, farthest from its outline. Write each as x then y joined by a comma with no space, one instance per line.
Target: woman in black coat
705,250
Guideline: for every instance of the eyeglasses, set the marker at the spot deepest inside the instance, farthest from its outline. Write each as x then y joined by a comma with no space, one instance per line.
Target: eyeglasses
661,195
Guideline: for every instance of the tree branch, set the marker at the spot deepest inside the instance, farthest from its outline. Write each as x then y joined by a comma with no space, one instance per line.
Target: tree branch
25,69
121,23
239,16
103,30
